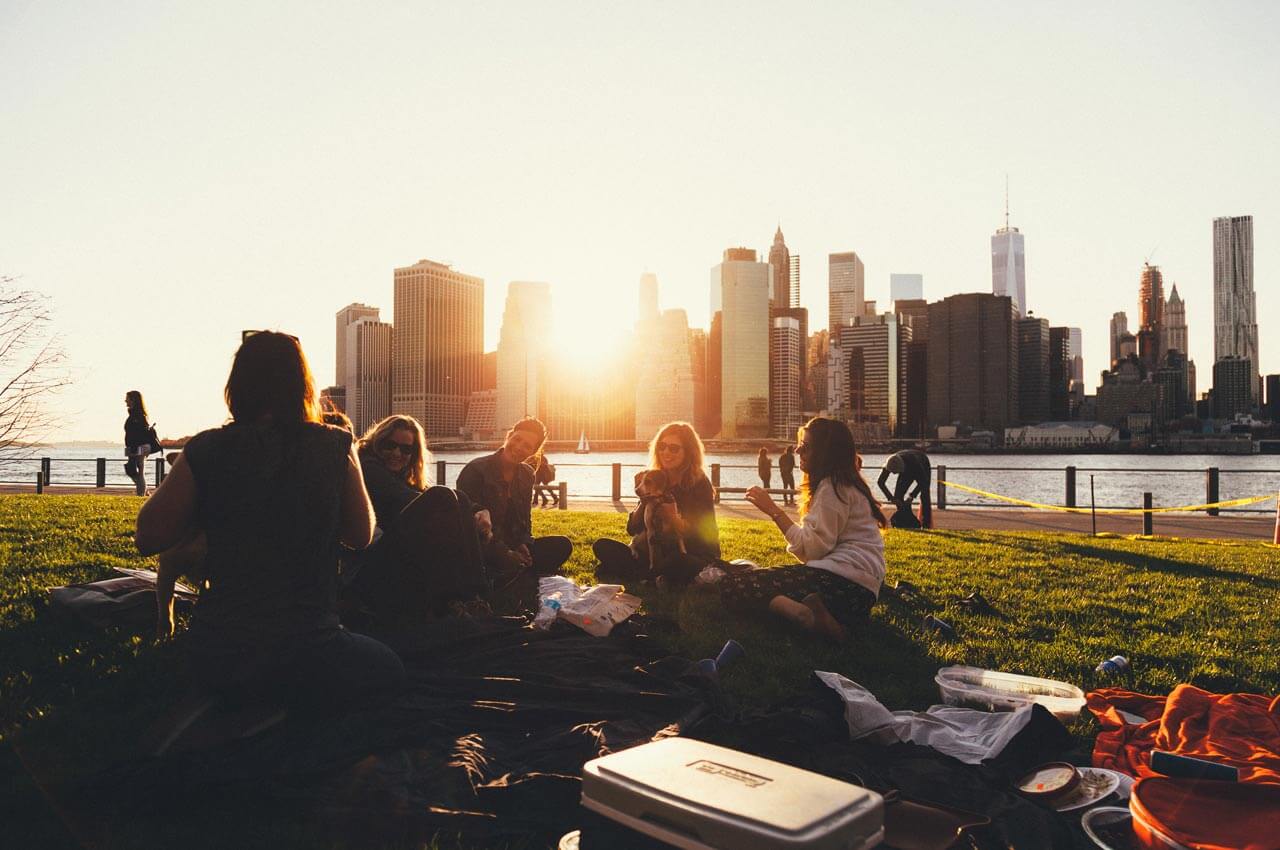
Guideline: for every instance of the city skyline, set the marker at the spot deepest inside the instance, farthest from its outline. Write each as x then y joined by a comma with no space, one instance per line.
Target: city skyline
236,180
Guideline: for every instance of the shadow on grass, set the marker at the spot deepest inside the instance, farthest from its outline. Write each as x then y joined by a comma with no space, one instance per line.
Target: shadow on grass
1151,563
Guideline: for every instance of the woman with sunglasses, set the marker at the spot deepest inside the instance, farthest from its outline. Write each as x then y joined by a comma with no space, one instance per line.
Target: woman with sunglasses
677,450
428,554
275,492
502,484
838,540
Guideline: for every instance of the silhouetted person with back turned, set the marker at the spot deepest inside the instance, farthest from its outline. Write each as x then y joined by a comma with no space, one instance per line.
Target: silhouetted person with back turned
912,468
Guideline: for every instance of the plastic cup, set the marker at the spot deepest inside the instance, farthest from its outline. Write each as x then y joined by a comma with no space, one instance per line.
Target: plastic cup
730,653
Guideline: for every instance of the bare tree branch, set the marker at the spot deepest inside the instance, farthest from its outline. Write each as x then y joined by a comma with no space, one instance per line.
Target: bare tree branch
32,368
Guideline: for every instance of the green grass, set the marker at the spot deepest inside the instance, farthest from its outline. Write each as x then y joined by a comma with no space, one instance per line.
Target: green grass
1181,610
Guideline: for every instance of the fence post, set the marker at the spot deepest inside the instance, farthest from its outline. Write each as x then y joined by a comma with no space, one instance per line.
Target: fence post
159,470
617,482
715,480
102,472
1071,486
440,473
942,487
39,482
564,495
1146,516
46,468
1211,489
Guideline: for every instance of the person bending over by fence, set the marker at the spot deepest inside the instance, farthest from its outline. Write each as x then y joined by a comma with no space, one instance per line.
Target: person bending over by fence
543,478
838,539
137,440
676,450
428,552
912,468
276,492
502,483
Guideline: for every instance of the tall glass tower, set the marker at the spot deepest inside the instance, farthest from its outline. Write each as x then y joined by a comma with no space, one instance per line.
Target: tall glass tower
1235,307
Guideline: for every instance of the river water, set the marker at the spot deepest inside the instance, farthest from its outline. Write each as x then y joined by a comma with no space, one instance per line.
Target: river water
1119,480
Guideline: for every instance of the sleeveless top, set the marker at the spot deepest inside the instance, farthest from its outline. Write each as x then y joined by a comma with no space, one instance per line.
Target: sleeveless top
269,499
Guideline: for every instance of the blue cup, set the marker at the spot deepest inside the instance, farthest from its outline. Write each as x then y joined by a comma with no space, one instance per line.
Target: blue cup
731,652
708,667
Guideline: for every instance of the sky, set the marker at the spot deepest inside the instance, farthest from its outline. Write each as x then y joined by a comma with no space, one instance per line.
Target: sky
176,172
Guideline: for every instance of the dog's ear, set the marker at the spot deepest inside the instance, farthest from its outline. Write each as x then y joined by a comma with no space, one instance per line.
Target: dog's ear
640,476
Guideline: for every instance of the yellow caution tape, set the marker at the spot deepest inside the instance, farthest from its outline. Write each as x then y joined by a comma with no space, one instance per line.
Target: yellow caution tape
1231,503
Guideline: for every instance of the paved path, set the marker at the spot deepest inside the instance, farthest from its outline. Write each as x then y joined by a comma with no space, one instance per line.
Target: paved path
1224,527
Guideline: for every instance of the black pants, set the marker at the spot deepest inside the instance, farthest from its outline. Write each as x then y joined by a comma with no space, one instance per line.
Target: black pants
752,591
903,486
788,488
619,565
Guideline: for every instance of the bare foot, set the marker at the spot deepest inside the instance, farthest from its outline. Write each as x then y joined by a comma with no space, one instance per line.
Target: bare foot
823,622
792,611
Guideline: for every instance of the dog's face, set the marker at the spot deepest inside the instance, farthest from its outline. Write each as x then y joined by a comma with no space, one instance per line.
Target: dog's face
651,482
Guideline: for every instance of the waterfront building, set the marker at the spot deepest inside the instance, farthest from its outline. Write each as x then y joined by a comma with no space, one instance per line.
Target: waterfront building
666,391
914,312
346,317
368,372
1232,387
1235,307
973,362
846,288
438,345
698,361
816,371
1272,410
482,417
738,349
1061,398
913,397
787,353
1119,328
906,287
864,375
1151,316
1175,324
596,399
1128,400
523,347
1033,370
1062,435
1075,352
1173,375
1009,265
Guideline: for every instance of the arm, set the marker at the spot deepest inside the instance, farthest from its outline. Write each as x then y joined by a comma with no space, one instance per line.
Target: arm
760,497
816,536
357,519
884,476
167,516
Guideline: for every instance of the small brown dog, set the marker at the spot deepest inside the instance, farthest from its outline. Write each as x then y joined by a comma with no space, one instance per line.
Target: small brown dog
184,559
661,538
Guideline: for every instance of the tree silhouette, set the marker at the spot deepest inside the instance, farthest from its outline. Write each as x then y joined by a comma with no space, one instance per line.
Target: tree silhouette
31,366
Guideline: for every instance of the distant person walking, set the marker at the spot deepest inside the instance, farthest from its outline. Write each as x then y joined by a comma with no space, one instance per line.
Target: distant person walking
764,465
137,440
912,468
787,472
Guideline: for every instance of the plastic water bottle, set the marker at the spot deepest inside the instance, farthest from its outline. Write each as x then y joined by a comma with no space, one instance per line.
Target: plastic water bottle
1114,664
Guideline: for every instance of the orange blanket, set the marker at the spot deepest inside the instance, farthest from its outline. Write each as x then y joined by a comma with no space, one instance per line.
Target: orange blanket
1236,729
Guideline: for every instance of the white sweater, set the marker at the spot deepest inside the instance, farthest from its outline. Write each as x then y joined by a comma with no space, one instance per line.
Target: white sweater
840,535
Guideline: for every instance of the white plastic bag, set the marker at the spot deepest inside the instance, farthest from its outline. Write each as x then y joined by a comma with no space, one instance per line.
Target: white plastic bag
595,610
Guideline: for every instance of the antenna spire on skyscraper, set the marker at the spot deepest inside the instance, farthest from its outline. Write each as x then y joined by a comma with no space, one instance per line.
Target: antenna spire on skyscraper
1006,200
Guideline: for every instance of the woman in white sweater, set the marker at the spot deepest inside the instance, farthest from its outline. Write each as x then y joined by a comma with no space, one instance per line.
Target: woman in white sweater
838,539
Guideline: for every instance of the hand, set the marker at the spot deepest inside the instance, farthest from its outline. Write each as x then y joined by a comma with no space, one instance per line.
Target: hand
484,525
763,501
522,552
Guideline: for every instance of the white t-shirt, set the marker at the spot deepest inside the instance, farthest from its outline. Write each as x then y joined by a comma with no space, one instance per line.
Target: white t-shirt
840,535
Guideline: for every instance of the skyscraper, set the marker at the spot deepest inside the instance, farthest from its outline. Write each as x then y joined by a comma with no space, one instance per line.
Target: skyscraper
1075,351
1060,362
1119,327
787,354
522,351
795,280
738,355
1151,316
438,345
1175,324
1235,307
846,289
906,287
348,315
779,272
368,372
973,361
666,393
784,302
864,374
1231,387
1009,264
1033,371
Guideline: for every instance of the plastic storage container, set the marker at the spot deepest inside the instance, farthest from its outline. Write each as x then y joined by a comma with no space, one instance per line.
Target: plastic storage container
698,796
992,690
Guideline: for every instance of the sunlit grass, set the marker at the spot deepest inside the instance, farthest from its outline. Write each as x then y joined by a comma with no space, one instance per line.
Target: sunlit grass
72,699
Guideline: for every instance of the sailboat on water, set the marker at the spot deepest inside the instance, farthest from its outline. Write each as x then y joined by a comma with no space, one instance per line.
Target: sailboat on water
584,447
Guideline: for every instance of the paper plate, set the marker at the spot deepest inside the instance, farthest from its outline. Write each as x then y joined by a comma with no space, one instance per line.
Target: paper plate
1095,784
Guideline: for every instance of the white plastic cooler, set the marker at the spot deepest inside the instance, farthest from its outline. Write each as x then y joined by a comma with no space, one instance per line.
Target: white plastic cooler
702,797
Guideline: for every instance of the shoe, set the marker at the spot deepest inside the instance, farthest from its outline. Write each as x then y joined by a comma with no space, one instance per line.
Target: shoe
823,622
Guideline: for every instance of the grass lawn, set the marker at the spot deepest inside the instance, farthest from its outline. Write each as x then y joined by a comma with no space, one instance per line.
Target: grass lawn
1182,611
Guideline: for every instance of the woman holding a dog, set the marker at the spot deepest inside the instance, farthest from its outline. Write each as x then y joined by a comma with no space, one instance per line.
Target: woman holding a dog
275,492
677,451
838,539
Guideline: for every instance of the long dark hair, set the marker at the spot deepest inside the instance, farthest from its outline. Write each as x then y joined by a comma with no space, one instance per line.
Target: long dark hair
270,377
133,401
831,454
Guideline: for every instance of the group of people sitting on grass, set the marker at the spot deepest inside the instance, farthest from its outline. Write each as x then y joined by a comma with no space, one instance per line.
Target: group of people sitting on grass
303,523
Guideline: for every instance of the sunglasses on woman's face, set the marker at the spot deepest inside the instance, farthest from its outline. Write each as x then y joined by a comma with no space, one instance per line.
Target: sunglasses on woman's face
670,447
407,449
